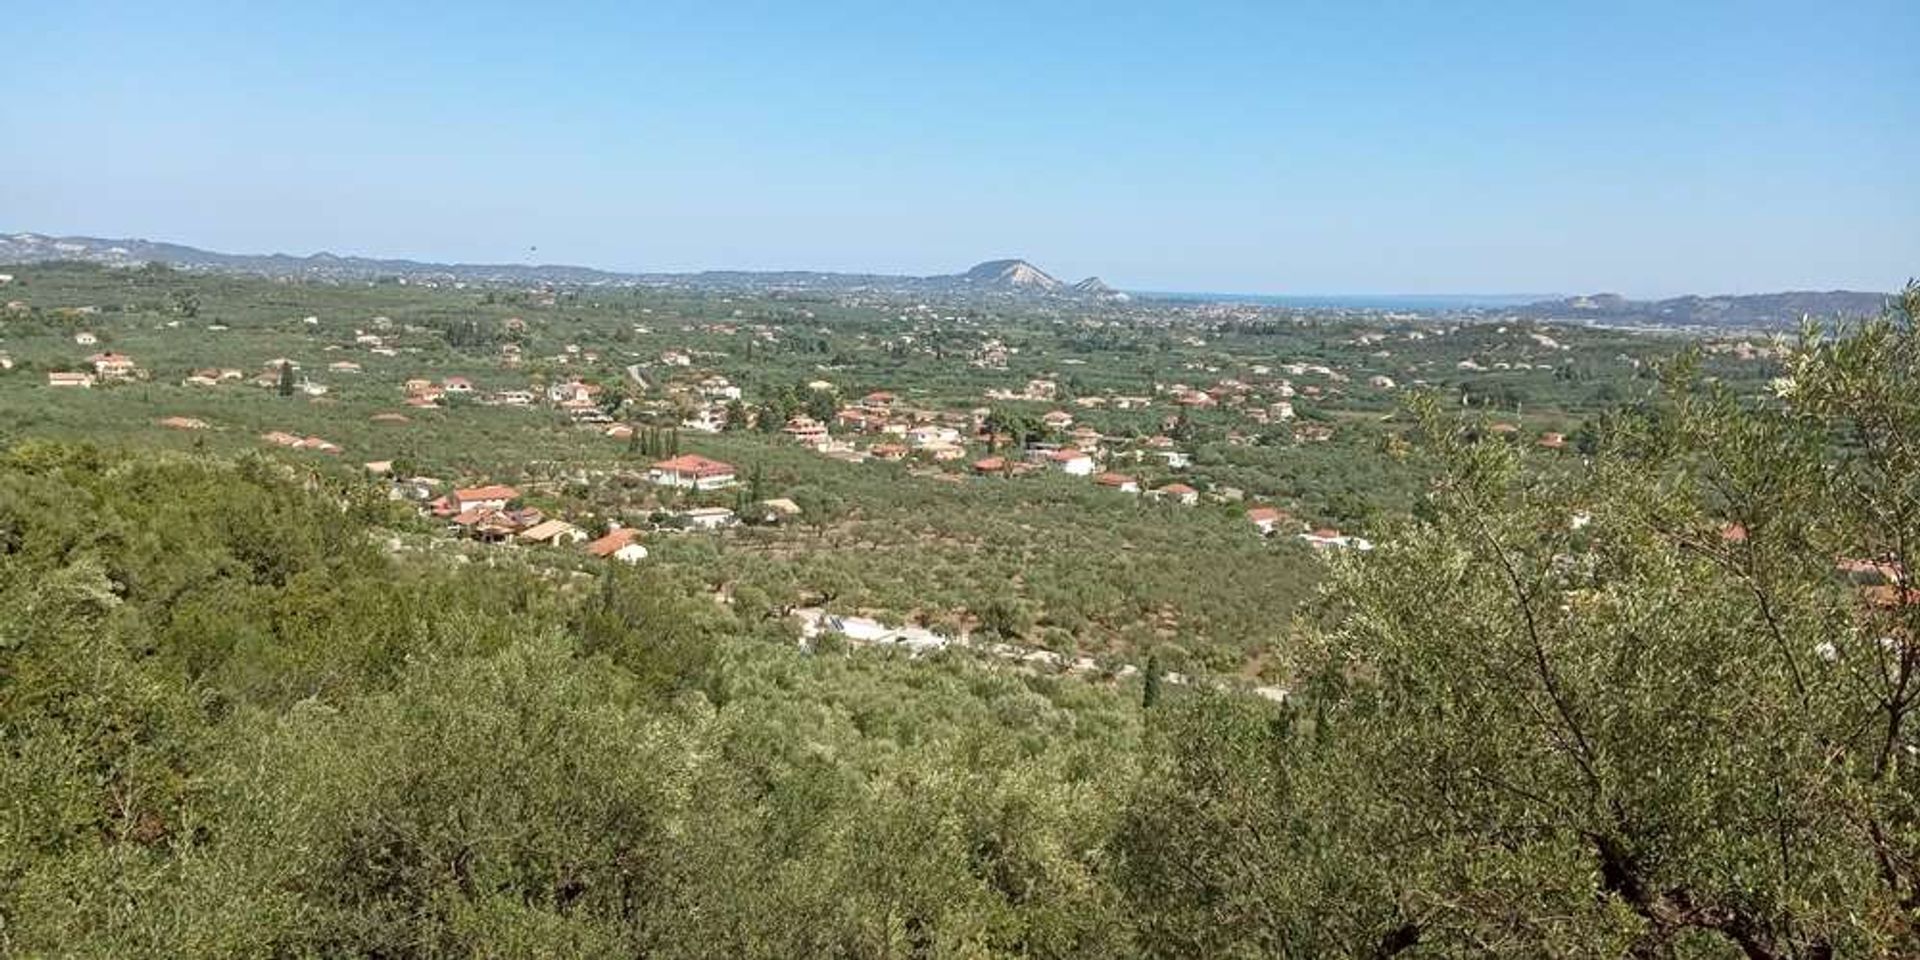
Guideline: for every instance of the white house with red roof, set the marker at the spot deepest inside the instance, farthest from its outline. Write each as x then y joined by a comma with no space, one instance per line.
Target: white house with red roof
494,496
620,543
1266,519
1071,462
692,471
1118,481
1179,493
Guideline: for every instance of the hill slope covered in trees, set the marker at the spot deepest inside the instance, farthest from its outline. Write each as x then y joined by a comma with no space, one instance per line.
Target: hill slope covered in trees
1624,707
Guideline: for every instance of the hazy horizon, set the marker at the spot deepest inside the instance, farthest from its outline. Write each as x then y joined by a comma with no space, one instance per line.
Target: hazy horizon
1640,150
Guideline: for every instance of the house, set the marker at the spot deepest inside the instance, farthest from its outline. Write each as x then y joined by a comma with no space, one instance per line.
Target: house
343,366
1179,493
805,430
460,385
572,391
990,465
855,418
1057,419
85,338
1266,519
1174,459
1553,441
719,388
708,518
932,435
488,525
490,497
706,419
620,543
777,509
1328,537
1118,481
554,533
1086,438
202,378
1071,462
514,398
692,471
888,451
60,379
112,366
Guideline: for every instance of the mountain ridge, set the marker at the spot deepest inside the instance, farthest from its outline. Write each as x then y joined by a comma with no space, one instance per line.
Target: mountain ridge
1766,310
1012,277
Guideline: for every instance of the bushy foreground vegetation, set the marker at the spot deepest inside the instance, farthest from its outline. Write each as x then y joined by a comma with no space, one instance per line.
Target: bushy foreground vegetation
1630,707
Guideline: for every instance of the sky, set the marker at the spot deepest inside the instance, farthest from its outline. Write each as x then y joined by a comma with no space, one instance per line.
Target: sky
1645,148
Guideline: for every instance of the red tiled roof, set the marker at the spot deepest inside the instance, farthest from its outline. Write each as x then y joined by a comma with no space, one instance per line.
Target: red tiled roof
611,544
695,465
496,491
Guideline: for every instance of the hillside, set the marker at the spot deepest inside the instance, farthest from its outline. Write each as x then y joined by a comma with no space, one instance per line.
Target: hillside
1763,311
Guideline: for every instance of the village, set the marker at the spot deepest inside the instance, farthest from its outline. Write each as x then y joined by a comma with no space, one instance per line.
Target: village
855,454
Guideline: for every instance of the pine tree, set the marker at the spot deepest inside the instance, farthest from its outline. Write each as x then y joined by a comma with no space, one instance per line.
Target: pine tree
286,378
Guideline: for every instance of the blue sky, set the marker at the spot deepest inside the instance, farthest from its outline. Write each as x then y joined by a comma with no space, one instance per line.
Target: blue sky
1645,148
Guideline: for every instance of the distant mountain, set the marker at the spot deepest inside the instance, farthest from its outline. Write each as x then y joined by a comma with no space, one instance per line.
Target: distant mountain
993,278
1762,310
1010,275
1098,289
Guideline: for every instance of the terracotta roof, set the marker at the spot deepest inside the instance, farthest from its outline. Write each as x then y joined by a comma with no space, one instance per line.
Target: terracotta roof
1113,480
496,491
1267,514
611,544
1179,489
695,464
